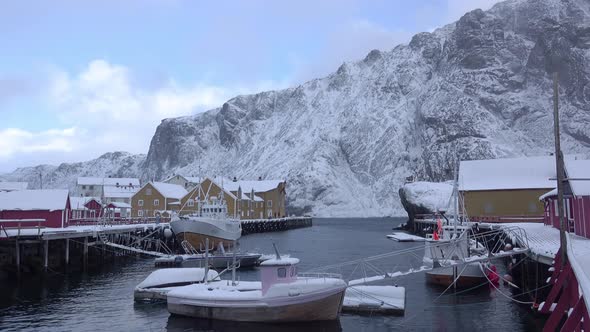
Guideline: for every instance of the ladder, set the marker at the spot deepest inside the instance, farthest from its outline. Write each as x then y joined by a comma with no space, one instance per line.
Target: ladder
188,248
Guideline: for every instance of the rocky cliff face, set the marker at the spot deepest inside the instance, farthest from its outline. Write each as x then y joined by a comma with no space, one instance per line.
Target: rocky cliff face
478,88
116,164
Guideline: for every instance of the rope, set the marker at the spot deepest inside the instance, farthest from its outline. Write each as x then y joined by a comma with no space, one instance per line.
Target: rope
508,297
454,281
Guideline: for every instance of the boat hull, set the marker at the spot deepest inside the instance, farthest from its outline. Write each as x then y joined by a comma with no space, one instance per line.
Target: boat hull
196,233
310,307
472,276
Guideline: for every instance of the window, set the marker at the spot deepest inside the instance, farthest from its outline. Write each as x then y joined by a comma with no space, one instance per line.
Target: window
91,187
83,187
191,202
282,272
140,202
269,203
555,208
140,213
156,202
126,200
148,191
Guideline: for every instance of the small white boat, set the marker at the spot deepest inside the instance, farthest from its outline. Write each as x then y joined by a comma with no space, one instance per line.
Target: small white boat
282,296
210,222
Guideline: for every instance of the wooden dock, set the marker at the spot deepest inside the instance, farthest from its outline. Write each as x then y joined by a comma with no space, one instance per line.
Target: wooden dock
274,225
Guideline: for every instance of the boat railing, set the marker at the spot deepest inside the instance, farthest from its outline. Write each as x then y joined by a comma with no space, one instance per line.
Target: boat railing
319,275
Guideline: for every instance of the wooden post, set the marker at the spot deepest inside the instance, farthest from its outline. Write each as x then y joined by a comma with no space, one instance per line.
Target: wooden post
17,257
559,170
67,251
45,254
85,251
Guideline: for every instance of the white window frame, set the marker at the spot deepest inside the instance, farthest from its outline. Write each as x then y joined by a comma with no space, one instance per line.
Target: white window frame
148,192
269,203
140,202
191,202
140,213
156,202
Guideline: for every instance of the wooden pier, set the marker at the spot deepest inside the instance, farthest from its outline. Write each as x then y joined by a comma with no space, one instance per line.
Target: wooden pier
274,225
33,248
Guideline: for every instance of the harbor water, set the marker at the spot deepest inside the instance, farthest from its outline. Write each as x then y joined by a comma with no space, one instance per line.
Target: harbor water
103,299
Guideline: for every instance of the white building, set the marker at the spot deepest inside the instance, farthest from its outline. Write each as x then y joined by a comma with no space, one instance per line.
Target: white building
108,190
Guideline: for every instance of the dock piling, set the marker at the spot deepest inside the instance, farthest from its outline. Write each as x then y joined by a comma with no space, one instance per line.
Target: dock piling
45,254
17,257
67,251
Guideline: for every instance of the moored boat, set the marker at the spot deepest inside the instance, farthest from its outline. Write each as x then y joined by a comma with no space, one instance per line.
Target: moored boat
211,222
283,295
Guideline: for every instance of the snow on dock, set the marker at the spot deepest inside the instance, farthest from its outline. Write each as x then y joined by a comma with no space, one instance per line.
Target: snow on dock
543,240
405,237
375,299
76,231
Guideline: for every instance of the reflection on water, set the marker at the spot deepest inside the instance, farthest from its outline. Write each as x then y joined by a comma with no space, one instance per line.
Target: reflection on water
179,323
102,300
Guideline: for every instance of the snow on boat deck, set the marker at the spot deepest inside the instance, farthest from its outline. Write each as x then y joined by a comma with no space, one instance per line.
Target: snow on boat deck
405,237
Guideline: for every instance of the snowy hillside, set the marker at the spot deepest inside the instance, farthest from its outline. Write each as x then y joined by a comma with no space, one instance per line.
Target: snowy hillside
116,164
478,88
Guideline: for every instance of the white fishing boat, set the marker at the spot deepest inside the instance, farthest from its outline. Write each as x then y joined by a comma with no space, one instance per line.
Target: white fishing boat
282,295
211,221
447,252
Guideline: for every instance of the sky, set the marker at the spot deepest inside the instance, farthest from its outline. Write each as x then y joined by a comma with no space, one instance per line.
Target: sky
81,78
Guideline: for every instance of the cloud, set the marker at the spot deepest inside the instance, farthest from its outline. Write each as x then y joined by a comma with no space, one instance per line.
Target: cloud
103,108
457,8
351,42
14,141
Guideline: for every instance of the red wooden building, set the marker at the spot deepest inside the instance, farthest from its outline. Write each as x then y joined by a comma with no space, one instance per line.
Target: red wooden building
85,208
576,199
51,205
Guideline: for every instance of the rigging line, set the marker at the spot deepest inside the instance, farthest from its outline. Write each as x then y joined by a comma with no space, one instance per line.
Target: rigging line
508,297
367,295
453,283
371,258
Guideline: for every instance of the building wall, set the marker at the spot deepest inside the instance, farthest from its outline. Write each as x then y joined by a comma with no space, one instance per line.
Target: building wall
181,181
576,214
274,202
53,219
89,190
210,189
504,203
149,209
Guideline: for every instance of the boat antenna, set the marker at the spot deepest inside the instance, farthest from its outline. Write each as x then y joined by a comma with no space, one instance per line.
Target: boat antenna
276,251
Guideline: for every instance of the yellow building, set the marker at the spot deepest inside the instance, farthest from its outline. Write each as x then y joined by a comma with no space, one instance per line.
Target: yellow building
505,190
257,199
156,198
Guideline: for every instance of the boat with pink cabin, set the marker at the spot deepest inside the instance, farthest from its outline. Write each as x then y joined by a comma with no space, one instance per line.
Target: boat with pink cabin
282,295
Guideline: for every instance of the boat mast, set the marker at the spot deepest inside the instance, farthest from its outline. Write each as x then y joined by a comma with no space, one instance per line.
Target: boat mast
455,195
559,170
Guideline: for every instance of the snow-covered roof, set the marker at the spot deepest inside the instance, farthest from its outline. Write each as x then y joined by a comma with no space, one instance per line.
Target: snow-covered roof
578,169
548,194
120,191
41,199
10,186
259,185
247,185
79,203
120,205
280,261
193,179
83,180
169,190
508,173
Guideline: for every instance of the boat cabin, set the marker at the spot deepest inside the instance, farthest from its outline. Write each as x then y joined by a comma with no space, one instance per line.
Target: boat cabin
278,270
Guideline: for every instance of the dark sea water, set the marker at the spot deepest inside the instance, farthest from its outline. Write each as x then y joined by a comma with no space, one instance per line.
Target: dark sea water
103,300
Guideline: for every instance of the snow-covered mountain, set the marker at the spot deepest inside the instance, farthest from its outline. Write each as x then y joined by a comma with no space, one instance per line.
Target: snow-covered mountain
116,164
477,88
